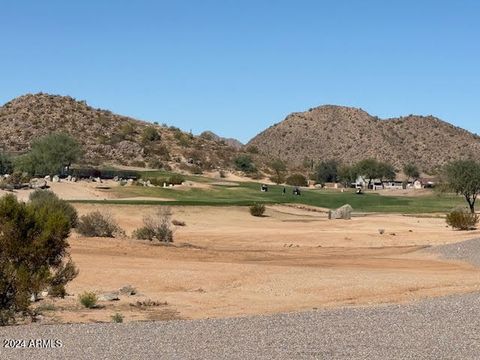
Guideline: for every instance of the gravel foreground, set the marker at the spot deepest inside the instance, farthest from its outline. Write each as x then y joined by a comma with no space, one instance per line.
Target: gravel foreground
468,251
441,328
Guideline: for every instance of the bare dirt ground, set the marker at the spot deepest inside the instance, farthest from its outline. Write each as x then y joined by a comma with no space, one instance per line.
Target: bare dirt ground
227,263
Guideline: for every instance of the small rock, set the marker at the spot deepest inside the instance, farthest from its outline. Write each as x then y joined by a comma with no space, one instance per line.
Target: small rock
113,296
128,290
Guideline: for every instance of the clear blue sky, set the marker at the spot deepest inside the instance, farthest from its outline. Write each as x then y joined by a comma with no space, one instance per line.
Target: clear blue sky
237,67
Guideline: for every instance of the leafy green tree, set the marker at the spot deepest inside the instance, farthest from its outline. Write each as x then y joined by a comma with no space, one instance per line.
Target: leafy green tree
386,171
326,171
244,163
372,169
279,168
6,164
33,255
411,171
297,180
50,155
463,177
368,169
347,174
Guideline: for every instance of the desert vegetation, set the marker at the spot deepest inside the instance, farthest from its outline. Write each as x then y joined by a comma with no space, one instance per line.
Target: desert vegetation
97,224
257,209
156,226
33,254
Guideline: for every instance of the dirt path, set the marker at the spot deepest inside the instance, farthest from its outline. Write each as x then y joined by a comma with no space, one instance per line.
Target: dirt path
228,263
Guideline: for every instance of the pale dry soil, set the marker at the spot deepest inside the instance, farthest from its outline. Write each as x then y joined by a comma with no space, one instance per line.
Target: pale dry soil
226,263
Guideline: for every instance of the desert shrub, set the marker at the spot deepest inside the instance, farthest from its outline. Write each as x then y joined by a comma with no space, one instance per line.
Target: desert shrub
297,180
126,130
162,151
150,134
45,198
88,299
256,175
461,219
178,222
33,249
18,177
143,233
252,149
155,163
117,318
257,209
176,179
156,227
6,164
196,170
138,163
244,163
97,224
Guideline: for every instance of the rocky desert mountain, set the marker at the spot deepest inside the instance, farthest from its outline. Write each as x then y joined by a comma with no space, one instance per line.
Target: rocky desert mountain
229,141
106,138
350,134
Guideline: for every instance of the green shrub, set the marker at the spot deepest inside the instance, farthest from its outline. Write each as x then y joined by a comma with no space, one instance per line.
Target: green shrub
461,219
176,179
244,163
96,224
117,318
297,180
150,134
47,199
257,209
33,249
88,299
6,164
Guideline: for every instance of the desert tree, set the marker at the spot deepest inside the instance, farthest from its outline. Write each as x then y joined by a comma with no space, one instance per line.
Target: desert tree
326,171
49,155
411,171
279,169
347,174
373,169
386,171
463,178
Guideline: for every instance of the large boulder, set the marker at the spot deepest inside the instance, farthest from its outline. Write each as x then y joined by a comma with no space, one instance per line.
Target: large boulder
36,183
343,212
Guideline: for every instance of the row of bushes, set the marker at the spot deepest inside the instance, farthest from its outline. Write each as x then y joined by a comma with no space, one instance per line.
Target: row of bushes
155,227
174,179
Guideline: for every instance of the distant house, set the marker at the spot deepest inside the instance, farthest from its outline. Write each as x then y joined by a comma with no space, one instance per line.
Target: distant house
377,184
393,184
424,183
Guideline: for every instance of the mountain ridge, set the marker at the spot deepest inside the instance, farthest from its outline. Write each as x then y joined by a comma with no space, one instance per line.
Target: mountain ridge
351,134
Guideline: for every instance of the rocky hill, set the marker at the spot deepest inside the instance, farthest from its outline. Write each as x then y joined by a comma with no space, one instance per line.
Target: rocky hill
106,138
351,134
229,141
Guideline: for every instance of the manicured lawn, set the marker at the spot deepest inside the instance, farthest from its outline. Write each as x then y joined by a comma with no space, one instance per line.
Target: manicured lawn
248,193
